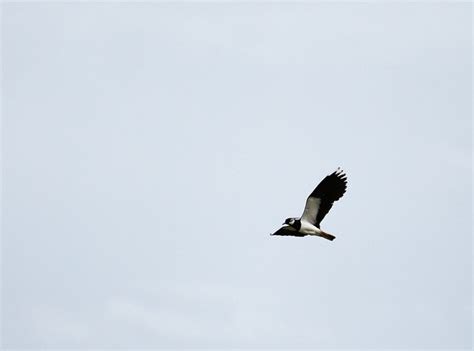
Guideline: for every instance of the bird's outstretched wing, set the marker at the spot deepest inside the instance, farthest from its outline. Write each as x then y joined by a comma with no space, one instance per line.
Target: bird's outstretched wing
286,230
322,198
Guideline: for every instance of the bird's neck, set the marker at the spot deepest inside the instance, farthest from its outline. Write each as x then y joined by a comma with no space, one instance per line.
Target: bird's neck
297,224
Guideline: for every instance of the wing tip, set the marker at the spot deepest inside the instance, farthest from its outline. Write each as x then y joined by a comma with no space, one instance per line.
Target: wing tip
339,172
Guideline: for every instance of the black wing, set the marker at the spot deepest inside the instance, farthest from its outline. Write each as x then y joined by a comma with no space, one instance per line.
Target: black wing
322,198
286,230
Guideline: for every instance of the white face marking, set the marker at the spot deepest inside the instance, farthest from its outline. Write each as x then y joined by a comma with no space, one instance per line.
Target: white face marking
292,221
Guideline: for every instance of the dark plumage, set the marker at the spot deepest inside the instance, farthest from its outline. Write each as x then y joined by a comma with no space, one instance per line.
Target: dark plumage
329,190
288,231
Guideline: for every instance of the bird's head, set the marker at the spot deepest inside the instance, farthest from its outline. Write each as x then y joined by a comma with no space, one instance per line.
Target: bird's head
290,221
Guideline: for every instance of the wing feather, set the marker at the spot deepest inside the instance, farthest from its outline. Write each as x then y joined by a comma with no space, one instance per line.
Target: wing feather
287,230
320,201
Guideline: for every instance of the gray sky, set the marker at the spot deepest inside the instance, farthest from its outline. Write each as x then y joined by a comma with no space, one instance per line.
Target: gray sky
149,150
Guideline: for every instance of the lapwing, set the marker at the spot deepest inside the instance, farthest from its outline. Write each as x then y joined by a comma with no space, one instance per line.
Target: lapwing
318,204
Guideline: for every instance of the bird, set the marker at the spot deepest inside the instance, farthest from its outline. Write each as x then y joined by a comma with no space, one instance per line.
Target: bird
318,204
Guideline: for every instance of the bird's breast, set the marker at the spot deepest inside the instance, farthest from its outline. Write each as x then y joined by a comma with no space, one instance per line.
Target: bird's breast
309,228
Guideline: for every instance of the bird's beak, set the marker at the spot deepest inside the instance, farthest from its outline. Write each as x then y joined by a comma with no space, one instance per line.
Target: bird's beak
283,223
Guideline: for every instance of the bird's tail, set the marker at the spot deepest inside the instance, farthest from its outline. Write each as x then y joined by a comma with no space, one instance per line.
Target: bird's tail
327,236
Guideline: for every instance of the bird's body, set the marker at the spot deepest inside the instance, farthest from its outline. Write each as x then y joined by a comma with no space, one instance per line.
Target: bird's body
309,229
318,204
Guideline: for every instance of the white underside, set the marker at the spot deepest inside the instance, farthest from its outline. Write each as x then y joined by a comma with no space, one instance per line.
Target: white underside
309,229
311,210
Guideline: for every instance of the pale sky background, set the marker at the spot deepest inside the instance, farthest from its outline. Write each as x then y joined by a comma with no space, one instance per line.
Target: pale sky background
149,150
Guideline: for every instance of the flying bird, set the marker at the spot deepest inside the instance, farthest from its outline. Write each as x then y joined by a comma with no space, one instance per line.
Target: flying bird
318,204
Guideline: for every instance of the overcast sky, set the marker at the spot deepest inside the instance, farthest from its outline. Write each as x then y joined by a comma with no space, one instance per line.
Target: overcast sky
150,149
